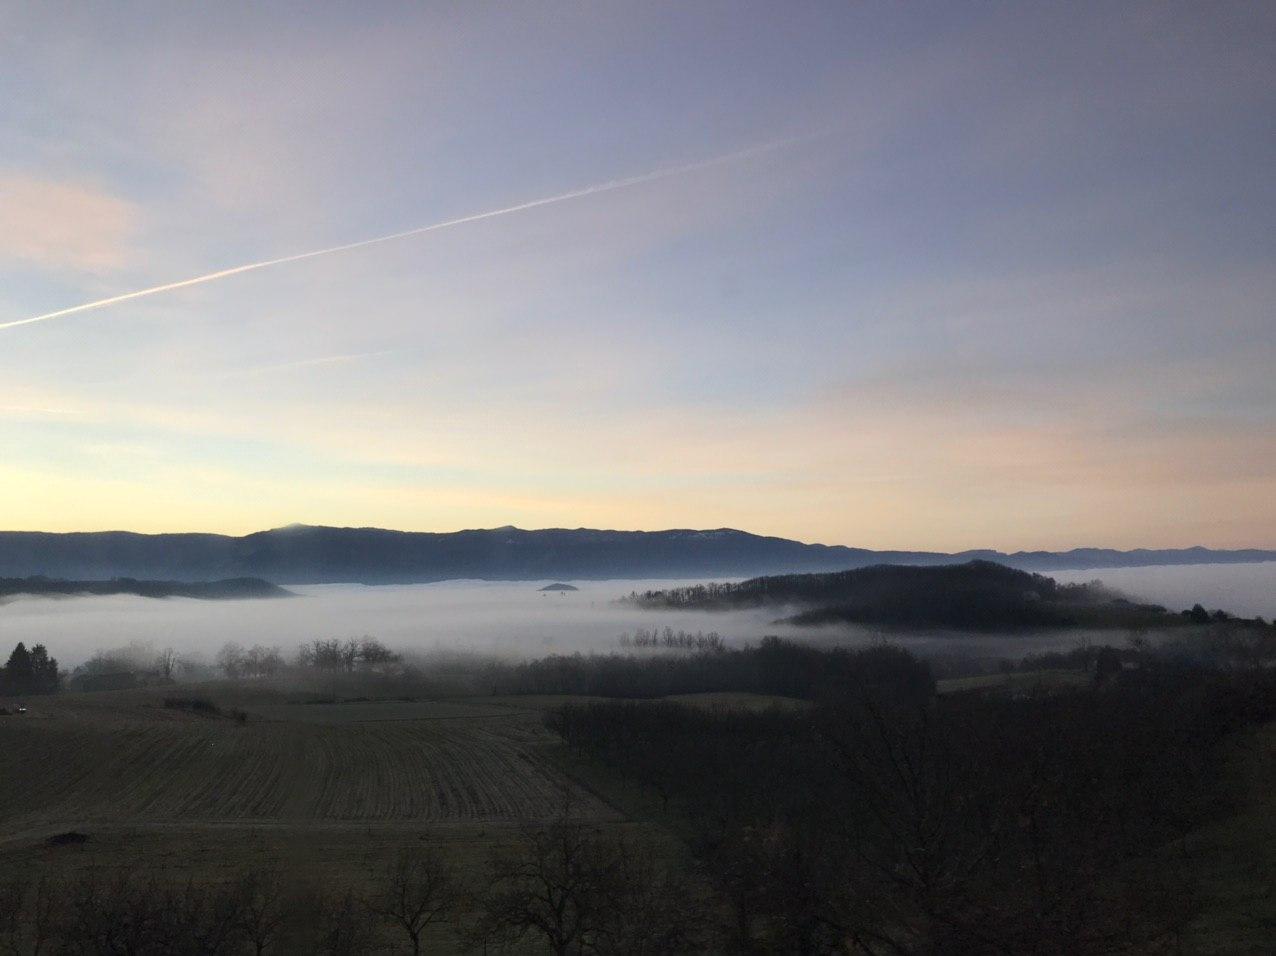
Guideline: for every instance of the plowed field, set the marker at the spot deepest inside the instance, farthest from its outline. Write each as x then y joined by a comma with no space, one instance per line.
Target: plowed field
122,759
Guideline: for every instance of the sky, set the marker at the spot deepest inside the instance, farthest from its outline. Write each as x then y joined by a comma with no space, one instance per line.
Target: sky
938,276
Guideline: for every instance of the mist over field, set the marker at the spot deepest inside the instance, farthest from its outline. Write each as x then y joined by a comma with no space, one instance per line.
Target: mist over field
518,620
513,619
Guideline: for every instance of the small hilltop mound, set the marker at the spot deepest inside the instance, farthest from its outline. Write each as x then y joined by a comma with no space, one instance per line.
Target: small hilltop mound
559,586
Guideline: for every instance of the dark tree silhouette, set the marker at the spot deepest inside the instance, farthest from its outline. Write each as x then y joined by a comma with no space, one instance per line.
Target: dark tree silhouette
418,890
18,672
30,672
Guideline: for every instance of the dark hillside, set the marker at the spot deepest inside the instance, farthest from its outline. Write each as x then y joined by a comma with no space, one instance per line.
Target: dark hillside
231,588
975,595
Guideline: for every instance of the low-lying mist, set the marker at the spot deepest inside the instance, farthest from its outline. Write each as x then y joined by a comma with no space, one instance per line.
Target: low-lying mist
517,620
490,618
1246,590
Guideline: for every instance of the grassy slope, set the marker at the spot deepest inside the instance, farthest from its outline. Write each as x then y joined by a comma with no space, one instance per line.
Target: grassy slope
1237,855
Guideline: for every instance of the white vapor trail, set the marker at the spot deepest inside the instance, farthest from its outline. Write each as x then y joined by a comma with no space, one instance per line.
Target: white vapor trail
309,363
421,230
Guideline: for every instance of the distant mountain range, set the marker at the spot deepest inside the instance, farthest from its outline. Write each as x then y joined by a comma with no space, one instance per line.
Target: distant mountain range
303,554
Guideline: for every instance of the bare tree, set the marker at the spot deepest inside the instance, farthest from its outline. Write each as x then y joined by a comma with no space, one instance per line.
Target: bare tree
231,660
116,915
29,914
44,910
419,889
12,900
342,925
165,662
260,909
649,907
329,655
199,919
581,890
372,653
262,661
551,887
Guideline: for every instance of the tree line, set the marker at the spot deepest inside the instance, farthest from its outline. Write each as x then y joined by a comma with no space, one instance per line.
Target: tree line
773,666
141,664
671,640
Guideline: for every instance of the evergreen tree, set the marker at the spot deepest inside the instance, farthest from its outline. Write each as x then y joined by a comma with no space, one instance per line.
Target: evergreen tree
44,671
17,672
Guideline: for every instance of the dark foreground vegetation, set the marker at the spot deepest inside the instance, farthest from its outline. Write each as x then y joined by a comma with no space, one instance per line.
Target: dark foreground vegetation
820,800
563,886
886,819
230,588
773,667
978,595
878,817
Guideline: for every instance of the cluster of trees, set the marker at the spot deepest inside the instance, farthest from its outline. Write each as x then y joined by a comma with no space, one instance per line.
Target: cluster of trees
1197,614
774,666
257,661
135,665
347,655
672,640
567,886
876,823
30,672
334,655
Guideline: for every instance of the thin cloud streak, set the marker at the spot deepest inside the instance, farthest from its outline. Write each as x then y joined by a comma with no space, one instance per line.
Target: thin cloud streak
309,363
595,189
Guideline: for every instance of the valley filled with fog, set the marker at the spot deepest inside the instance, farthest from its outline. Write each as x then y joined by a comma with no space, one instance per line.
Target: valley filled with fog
516,619
1246,590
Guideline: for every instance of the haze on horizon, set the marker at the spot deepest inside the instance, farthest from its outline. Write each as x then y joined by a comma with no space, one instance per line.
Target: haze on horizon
1016,293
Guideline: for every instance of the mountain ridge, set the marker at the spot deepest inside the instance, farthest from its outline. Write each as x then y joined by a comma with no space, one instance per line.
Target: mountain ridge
317,554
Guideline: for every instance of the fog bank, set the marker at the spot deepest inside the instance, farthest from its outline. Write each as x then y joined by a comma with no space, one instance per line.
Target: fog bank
1243,589
518,620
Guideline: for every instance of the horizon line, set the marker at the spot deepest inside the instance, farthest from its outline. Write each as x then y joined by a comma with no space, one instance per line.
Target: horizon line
295,526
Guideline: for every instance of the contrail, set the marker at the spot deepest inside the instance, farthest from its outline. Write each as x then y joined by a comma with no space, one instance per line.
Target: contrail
308,363
419,231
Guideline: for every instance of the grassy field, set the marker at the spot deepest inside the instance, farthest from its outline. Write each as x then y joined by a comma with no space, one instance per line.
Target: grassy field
1019,682
360,762
324,787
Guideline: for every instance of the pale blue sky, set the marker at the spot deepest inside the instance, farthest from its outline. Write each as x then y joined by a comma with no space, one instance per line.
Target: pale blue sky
1010,284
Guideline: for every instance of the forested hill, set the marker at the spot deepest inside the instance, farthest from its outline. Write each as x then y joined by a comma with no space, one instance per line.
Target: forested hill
302,554
975,595
233,588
